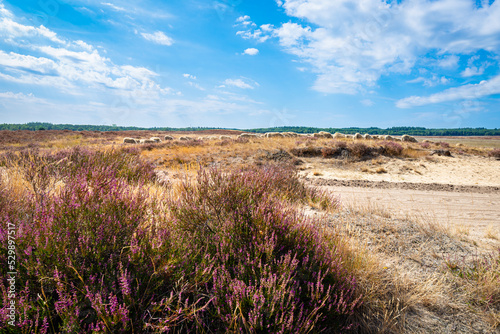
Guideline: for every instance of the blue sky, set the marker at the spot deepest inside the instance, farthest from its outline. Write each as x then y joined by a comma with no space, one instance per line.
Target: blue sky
248,64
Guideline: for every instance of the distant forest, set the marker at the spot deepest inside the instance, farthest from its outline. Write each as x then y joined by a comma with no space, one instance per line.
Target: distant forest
401,130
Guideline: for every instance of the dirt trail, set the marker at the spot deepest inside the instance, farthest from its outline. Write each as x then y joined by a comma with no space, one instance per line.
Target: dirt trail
472,209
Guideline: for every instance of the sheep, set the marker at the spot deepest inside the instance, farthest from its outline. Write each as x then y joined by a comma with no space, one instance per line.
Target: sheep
273,134
338,135
129,140
323,134
146,141
367,136
388,137
224,137
409,139
358,136
155,139
167,137
290,134
248,135
375,137
349,136
185,138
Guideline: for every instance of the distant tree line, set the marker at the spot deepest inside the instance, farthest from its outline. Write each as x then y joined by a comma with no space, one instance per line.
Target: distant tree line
37,126
400,130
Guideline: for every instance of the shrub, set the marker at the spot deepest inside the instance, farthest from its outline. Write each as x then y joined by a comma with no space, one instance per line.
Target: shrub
494,153
229,254
306,151
328,152
392,148
443,144
270,266
358,149
425,145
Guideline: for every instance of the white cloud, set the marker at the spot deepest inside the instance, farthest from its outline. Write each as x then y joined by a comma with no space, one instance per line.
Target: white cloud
159,38
189,76
260,35
195,85
243,18
350,45
251,51
432,81
239,83
20,97
472,71
71,66
465,92
4,12
367,102
11,31
114,7
448,62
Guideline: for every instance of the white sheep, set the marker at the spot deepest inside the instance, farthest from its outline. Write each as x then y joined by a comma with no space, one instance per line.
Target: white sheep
367,136
358,136
338,135
409,139
155,139
248,135
224,137
273,134
146,141
129,140
167,137
323,134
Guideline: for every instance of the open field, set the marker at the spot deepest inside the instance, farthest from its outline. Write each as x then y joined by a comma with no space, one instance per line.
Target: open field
416,226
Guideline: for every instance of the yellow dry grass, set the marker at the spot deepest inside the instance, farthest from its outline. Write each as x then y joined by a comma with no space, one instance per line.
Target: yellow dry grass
408,269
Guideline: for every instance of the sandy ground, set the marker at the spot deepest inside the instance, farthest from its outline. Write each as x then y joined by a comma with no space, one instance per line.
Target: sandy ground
457,170
460,192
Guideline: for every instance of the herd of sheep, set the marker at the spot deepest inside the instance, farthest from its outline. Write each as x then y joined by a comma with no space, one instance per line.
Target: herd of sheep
321,134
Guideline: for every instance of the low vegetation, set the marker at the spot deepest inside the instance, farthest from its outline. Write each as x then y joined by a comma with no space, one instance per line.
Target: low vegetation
99,251
223,235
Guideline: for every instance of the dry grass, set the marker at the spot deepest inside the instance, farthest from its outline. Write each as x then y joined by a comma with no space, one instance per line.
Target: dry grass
404,276
415,275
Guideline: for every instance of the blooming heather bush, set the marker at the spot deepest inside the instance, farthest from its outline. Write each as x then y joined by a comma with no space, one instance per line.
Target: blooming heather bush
425,144
444,144
229,255
127,164
358,149
392,148
273,272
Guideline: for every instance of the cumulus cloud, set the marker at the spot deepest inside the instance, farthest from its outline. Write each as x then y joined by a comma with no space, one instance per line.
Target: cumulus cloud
465,92
350,45
67,64
432,81
189,76
158,37
251,51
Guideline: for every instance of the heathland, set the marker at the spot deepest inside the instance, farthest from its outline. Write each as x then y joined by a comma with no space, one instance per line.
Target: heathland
213,232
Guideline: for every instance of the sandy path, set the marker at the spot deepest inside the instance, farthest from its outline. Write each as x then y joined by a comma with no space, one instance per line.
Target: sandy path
457,170
473,213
